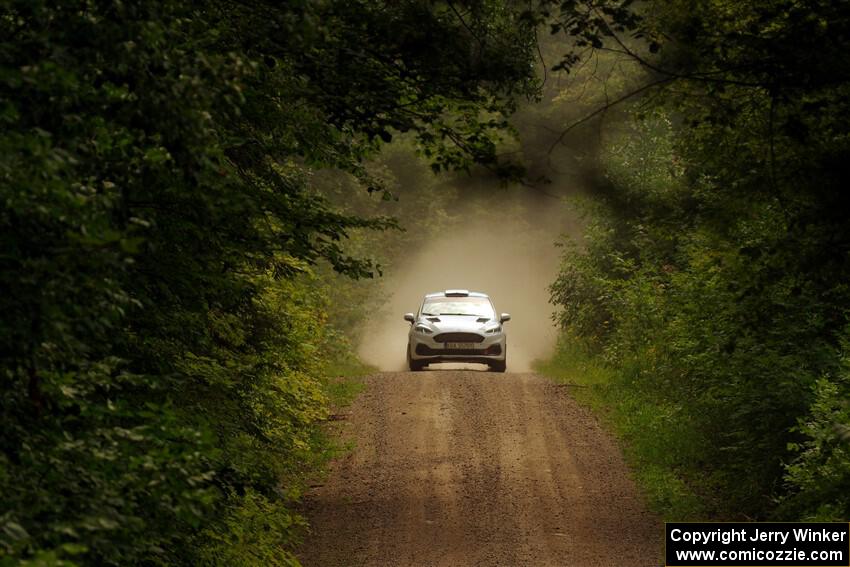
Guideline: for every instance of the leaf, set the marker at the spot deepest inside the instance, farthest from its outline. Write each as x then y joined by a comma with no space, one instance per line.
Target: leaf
15,531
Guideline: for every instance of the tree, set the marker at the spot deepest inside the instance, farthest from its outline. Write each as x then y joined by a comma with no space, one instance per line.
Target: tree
161,336
742,254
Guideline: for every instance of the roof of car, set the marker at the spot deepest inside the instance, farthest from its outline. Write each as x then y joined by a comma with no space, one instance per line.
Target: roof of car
457,293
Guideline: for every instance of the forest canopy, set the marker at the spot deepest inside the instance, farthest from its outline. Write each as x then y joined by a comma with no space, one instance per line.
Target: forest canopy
713,273
162,335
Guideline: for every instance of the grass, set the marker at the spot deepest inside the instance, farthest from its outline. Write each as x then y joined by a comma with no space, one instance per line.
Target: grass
656,444
342,383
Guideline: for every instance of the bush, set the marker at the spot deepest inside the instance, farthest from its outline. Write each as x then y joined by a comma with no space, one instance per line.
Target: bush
819,476
163,329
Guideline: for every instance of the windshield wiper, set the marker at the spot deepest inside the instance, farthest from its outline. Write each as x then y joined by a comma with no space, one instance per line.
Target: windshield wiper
461,314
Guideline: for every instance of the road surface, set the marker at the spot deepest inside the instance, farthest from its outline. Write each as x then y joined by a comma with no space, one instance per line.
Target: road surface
465,468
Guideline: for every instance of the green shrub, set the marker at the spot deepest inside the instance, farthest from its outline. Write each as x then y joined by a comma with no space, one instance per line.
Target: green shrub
162,347
819,476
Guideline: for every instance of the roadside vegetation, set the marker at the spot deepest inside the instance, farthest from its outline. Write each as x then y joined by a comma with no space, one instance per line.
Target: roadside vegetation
173,300
708,296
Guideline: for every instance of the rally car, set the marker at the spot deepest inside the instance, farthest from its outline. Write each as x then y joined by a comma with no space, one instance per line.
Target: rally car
457,325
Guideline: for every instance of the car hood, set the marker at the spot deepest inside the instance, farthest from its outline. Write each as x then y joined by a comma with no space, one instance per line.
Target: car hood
455,323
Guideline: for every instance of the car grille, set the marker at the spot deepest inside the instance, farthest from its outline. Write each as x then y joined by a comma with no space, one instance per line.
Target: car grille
425,350
458,338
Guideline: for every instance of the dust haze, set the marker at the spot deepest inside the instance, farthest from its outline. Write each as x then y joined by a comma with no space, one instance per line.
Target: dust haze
513,259
504,243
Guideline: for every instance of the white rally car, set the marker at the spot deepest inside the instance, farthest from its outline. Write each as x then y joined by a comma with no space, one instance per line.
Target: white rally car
457,325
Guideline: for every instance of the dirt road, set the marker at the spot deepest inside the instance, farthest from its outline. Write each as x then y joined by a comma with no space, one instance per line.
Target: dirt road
463,468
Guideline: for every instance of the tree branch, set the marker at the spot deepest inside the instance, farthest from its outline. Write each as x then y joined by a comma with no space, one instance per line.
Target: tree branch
607,106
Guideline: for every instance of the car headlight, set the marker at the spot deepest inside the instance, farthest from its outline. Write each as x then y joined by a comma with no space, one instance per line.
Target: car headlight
494,330
422,329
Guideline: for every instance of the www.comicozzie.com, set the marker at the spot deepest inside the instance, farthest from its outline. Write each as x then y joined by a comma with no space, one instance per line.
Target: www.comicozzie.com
767,544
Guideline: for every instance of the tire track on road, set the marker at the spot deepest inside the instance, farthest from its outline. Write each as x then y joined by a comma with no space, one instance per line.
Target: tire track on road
458,467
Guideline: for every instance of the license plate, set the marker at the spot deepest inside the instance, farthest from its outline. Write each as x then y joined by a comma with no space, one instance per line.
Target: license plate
460,345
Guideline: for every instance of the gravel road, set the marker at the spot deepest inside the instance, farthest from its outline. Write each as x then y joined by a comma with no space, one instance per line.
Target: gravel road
465,468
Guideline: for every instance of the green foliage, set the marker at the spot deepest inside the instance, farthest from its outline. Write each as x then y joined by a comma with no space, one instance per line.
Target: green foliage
251,534
164,329
714,274
819,477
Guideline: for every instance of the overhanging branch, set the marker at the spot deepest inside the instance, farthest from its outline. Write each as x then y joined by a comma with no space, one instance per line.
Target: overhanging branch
607,106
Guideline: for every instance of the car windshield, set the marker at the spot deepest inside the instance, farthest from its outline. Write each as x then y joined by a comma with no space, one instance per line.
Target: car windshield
473,306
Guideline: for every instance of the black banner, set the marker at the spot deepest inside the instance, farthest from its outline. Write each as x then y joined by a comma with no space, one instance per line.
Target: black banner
762,544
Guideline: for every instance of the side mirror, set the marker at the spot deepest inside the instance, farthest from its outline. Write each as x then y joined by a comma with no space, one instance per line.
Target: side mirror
504,317
409,317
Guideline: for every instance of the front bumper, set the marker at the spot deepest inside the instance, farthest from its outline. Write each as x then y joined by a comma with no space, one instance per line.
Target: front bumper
425,348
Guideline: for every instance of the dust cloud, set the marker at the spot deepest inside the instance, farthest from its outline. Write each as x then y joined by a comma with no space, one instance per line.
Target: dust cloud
512,261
